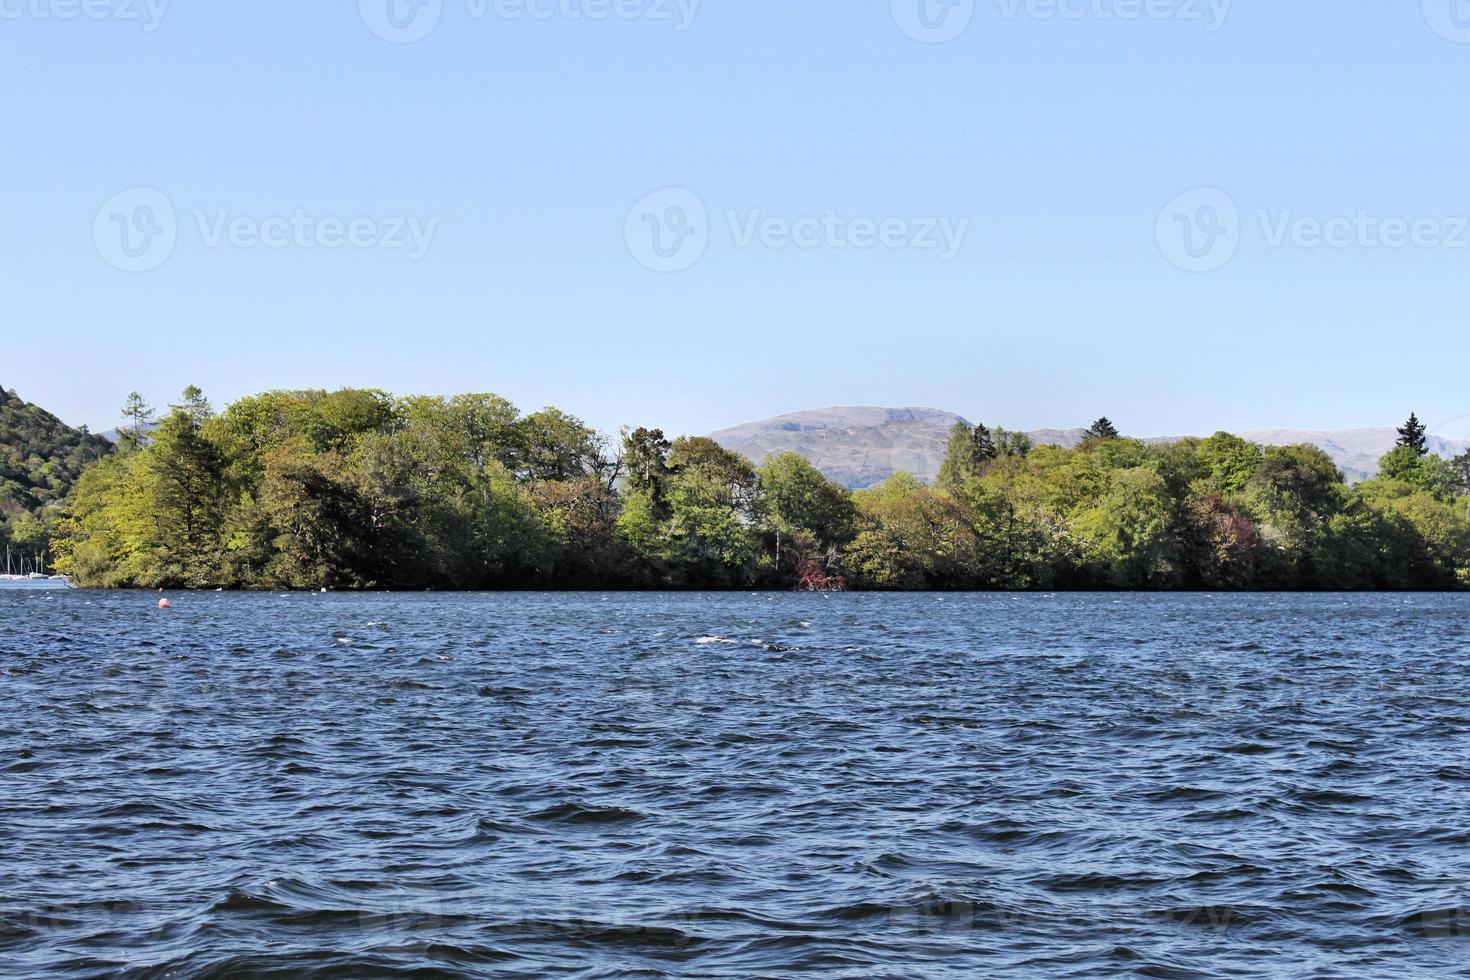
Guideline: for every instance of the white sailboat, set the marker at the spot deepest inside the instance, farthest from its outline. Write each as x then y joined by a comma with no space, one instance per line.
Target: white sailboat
30,575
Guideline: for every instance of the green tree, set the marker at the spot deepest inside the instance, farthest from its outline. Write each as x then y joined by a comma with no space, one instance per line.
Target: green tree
558,446
485,425
357,488
1230,463
799,498
139,415
1460,466
1412,435
1125,536
970,450
1292,498
1102,430
1425,473
913,537
1218,547
108,533
1008,444
1432,534
1021,529
40,460
810,519
193,404
716,510
188,476
646,462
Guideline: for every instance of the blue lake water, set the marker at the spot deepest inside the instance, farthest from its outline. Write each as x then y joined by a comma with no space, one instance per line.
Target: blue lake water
734,785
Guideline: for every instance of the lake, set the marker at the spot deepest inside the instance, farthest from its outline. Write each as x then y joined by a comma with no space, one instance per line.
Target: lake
734,785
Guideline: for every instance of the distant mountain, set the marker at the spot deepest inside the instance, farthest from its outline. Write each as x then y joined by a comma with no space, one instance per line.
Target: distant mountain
115,435
40,457
1356,451
863,446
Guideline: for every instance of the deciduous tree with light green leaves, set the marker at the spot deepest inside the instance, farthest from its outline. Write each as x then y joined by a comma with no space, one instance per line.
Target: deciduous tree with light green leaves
971,448
361,489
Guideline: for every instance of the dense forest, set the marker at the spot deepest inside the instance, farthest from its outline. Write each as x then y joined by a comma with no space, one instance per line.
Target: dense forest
40,458
359,489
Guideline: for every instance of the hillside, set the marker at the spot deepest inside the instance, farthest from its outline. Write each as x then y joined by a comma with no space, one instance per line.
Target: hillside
863,446
1356,451
40,459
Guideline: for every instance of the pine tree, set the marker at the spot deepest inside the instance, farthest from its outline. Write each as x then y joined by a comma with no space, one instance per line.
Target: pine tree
140,414
1102,429
194,405
983,445
646,459
1460,465
188,494
968,452
1411,435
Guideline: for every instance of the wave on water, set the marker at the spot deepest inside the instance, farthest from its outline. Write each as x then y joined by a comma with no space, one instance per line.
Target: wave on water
733,785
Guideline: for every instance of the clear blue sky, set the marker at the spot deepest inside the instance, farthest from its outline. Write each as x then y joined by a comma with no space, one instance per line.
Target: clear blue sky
528,140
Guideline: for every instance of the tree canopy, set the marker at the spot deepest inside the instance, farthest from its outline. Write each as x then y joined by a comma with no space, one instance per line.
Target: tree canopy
361,489
1102,429
40,460
1412,435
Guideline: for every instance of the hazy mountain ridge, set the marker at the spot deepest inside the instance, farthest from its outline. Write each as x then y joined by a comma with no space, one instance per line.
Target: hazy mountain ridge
863,445
1356,451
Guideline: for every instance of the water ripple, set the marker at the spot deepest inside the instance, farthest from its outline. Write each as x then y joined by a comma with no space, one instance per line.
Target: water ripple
734,785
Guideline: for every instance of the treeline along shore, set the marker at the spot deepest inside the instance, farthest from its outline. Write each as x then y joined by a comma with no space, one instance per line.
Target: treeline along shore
357,489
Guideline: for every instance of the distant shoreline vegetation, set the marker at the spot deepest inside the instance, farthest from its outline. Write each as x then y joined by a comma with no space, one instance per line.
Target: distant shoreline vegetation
358,489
